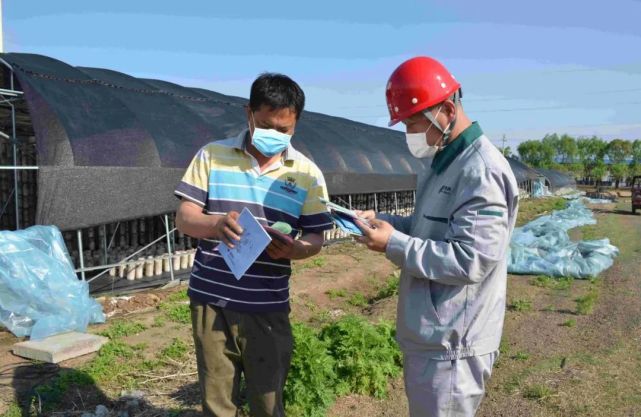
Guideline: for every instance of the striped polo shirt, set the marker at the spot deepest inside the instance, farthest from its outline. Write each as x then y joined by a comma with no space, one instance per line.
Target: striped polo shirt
223,177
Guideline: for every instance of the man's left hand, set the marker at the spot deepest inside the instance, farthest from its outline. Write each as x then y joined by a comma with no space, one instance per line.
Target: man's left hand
376,236
278,249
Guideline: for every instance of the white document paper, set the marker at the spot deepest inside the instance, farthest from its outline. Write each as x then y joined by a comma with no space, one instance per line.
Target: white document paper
253,242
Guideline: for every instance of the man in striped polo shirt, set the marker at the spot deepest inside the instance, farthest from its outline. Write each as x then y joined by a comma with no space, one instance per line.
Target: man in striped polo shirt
242,326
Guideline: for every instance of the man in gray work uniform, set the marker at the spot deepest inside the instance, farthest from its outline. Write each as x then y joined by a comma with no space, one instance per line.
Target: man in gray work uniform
452,250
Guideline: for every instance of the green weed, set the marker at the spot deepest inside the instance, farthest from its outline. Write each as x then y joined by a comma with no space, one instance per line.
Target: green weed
335,293
179,313
521,356
390,288
521,305
177,349
569,323
585,304
537,392
178,296
545,281
358,300
13,411
122,328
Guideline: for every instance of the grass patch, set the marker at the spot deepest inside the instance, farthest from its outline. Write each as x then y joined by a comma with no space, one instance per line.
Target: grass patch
178,296
585,304
390,288
532,208
179,313
521,356
159,321
13,411
569,323
122,328
520,305
177,349
336,293
317,262
590,232
537,392
358,300
544,281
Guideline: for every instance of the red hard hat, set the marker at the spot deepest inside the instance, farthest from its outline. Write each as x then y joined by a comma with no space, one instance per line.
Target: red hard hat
417,84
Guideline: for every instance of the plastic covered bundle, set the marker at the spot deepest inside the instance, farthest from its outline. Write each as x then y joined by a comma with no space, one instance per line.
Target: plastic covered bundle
543,246
40,294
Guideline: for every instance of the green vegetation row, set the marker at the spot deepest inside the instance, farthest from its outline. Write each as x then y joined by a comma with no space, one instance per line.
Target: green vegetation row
583,157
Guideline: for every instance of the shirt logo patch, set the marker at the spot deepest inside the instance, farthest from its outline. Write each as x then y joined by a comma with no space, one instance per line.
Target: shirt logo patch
445,190
290,185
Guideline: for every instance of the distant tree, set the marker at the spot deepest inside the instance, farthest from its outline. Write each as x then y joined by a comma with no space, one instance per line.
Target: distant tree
566,149
618,150
576,168
619,172
598,171
634,168
590,151
536,153
636,151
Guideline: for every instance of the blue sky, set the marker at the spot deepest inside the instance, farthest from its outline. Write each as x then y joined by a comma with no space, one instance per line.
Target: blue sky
527,68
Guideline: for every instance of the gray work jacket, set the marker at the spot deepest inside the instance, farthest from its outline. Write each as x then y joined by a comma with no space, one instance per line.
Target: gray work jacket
453,251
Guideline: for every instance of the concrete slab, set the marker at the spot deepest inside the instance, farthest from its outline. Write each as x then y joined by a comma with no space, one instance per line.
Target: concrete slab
60,347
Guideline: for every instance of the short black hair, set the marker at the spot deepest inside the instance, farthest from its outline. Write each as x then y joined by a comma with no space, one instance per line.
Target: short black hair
277,91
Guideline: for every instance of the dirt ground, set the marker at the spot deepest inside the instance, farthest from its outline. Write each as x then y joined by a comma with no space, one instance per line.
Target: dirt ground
554,361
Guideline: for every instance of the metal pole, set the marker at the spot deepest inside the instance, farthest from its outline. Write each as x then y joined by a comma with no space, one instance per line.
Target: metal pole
104,242
82,256
16,195
171,260
375,203
395,203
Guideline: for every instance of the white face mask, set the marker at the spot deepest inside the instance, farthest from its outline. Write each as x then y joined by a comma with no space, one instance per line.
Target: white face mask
417,142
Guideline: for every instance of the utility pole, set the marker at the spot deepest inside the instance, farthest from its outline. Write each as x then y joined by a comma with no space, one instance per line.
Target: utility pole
503,140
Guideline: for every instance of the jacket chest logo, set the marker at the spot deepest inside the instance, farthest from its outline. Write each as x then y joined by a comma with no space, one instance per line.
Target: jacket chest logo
445,190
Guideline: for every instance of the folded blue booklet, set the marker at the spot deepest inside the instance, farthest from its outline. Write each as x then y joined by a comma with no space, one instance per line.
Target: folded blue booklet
344,218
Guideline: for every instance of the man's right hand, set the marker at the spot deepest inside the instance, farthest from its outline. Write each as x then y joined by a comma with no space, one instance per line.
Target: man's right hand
227,229
367,214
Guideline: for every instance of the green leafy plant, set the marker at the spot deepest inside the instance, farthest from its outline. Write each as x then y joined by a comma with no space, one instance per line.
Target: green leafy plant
569,323
366,355
309,390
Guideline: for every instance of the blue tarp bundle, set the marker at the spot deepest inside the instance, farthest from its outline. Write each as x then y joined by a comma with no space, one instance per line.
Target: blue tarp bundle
40,294
543,246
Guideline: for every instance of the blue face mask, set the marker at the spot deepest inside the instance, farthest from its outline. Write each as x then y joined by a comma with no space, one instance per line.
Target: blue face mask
270,142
